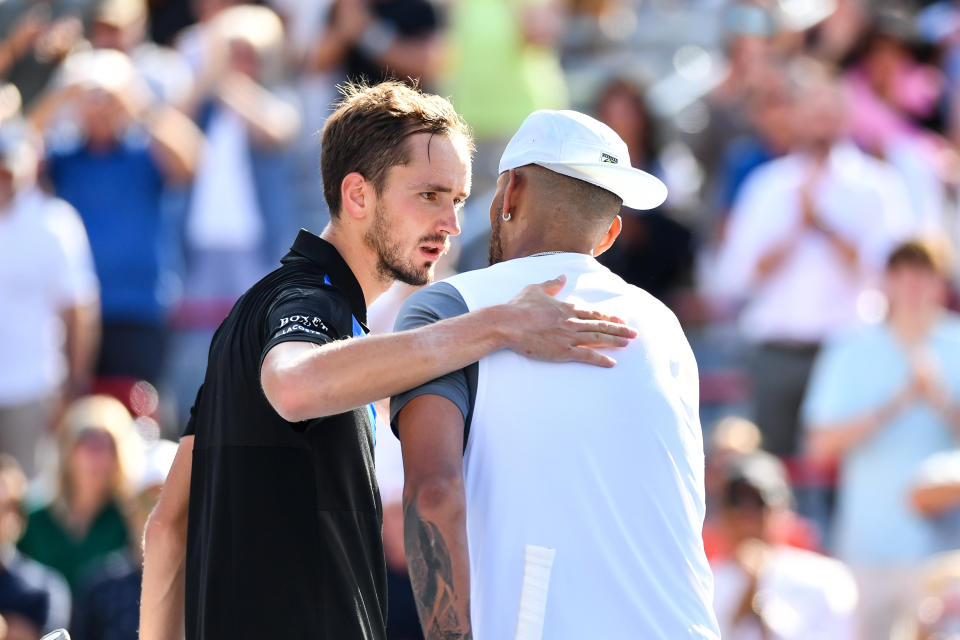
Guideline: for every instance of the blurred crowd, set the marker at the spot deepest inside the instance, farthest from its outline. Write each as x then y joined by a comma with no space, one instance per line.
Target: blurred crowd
157,158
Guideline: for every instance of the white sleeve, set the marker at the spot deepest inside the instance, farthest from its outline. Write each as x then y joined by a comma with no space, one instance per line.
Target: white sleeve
73,261
747,238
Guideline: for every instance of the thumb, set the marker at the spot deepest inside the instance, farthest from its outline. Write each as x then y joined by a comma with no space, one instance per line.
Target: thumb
553,287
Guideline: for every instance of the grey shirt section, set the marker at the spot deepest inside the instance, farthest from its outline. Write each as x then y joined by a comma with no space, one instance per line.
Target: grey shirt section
426,306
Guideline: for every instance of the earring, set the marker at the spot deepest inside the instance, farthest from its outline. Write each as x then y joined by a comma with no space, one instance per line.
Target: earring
506,215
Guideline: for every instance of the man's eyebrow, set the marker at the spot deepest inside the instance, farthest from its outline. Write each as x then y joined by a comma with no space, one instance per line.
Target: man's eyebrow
439,188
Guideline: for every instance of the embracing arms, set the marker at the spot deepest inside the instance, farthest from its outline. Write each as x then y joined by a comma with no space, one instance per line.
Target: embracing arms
302,380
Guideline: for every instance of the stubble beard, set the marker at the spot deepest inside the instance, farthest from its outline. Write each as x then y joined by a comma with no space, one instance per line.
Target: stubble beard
495,254
391,265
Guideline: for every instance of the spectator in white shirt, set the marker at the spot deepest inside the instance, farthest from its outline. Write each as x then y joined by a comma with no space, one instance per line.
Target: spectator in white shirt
773,592
806,234
49,294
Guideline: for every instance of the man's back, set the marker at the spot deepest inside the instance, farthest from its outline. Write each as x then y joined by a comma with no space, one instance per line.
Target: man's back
603,465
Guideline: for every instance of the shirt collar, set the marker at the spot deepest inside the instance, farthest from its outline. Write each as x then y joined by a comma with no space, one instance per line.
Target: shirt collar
326,256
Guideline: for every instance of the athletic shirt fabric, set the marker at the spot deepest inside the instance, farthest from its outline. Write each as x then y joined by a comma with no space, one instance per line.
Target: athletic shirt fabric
285,518
603,465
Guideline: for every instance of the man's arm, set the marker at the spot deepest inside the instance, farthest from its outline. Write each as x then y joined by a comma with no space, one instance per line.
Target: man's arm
82,323
165,545
434,506
832,441
304,380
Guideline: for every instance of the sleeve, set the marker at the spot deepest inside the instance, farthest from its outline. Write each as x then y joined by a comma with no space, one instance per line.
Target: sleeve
939,469
748,236
427,306
302,315
77,277
191,428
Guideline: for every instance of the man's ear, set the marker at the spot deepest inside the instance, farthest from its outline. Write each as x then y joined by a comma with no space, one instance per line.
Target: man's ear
609,237
511,194
356,195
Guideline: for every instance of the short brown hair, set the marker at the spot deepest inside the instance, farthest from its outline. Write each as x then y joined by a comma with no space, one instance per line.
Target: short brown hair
921,252
367,132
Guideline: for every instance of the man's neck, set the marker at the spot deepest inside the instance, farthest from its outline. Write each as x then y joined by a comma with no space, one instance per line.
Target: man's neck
913,326
361,259
532,246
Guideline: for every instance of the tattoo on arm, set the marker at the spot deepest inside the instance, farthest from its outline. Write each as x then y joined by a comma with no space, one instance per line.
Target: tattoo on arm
443,614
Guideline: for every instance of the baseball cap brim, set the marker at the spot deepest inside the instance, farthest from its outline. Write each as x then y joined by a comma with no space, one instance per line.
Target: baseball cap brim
638,189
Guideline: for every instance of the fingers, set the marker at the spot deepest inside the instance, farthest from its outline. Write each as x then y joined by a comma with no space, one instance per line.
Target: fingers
595,340
590,314
553,287
604,327
591,357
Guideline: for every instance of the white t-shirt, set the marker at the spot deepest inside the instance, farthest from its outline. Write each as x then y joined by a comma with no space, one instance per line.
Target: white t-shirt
603,465
804,596
45,268
813,293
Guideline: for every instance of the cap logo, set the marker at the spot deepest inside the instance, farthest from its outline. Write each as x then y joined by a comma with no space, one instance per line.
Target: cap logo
606,157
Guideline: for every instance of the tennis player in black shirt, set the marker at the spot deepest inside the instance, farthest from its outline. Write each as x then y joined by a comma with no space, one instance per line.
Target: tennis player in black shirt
269,523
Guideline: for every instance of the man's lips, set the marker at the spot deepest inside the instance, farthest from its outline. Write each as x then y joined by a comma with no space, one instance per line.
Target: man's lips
432,250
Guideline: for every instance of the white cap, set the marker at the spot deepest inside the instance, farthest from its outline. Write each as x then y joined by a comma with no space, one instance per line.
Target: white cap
581,147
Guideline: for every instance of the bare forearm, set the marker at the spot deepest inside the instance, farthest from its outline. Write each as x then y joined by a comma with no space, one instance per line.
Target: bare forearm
162,600
935,500
376,367
438,561
833,441
83,339
270,120
176,143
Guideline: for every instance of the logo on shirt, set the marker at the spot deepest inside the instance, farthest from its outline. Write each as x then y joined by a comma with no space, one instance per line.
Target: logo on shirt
606,157
303,322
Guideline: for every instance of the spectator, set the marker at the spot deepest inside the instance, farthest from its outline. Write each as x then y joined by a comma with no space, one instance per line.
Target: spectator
749,29
502,65
771,134
769,591
375,41
653,252
881,401
83,522
48,290
121,25
34,38
804,236
240,206
109,606
241,211
732,439
893,97
935,610
115,172
29,574
935,494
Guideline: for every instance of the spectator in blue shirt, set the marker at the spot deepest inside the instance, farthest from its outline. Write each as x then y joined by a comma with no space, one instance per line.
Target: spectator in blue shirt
114,171
881,401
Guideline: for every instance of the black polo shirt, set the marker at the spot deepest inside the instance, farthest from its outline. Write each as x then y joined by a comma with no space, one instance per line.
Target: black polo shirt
284,525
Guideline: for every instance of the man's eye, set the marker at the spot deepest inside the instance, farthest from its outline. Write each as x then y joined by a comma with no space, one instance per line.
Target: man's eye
428,195
459,202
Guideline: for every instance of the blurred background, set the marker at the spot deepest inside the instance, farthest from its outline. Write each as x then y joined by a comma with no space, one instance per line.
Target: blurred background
158,156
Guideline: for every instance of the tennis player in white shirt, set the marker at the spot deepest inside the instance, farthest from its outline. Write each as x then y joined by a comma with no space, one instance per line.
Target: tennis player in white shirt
558,501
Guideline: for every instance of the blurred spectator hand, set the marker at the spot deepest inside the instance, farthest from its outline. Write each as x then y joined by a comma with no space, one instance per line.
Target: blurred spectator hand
350,19
26,34
58,40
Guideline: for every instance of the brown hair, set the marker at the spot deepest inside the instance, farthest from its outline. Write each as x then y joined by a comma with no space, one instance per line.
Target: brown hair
921,252
367,132
100,413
